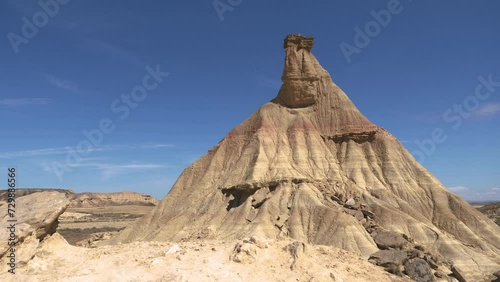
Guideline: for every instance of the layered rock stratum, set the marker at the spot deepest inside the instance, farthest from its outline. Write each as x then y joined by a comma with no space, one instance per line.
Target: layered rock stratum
308,165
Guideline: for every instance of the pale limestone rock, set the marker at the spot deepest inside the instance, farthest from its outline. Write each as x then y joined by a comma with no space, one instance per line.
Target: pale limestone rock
36,214
174,249
244,253
37,217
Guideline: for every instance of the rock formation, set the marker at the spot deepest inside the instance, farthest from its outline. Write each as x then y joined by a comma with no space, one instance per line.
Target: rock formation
36,217
309,166
27,191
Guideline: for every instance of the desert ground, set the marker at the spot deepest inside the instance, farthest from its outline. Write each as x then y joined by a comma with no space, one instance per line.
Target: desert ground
72,254
80,224
231,261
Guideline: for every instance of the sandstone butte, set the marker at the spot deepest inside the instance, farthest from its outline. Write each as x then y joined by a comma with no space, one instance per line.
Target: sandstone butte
304,166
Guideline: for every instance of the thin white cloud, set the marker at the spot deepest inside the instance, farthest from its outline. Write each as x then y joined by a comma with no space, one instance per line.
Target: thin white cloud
458,189
156,146
488,109
52,151
63,84
67,150
11,103
32,153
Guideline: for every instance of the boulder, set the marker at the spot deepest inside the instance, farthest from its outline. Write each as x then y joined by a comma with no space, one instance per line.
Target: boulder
357,214
244,253
386,257
458,273
350,203
35,214
389,239
419,270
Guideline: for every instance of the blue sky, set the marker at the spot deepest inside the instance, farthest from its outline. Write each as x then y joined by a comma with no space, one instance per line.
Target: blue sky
224,59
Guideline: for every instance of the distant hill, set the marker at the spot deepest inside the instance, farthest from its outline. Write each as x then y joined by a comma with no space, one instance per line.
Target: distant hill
112,199
87,199
492,210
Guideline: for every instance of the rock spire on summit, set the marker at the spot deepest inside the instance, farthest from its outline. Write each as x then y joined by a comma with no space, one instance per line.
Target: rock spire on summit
303,42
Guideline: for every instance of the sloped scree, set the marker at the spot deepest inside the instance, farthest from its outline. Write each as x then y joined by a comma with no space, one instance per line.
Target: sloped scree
398,252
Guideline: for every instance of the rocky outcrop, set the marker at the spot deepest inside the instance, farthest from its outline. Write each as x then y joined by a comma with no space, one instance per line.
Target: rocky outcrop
27,191
36,217
298,41
292,168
